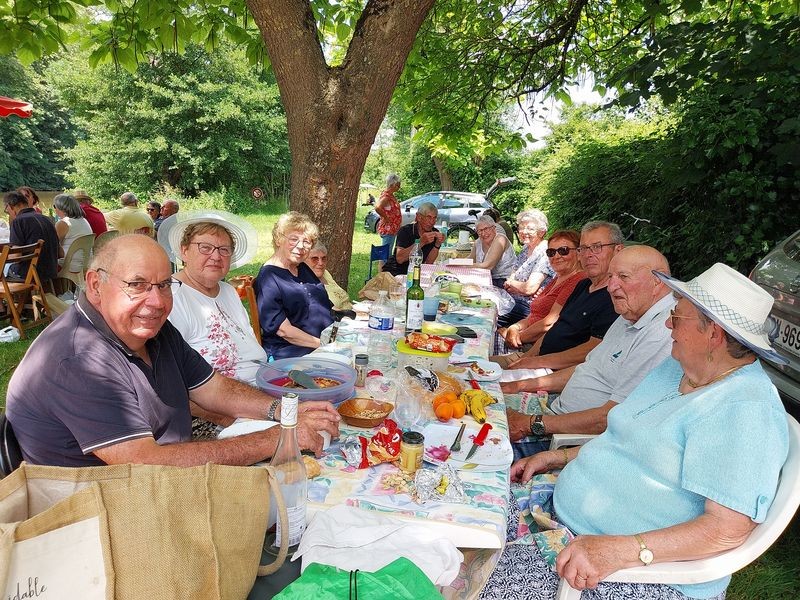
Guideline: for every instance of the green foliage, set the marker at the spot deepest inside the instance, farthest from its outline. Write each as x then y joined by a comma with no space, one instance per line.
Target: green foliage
31,149
193,121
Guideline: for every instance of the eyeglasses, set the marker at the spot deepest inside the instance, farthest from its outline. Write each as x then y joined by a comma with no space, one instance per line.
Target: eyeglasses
303,242
562,250
152,208
207,249
594,248
485,229
674,316
137,289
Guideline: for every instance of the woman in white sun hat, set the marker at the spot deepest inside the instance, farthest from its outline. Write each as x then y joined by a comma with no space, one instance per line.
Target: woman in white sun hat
689,462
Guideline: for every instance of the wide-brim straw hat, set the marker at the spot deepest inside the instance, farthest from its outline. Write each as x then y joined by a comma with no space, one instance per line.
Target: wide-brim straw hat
740,306
82,195
245,236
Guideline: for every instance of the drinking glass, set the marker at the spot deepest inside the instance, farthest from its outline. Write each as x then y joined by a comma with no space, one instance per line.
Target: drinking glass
406,410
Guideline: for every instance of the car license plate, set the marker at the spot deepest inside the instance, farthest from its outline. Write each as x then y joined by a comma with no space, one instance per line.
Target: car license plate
788,336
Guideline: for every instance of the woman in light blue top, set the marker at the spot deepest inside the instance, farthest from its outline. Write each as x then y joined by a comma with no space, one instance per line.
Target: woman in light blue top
689,463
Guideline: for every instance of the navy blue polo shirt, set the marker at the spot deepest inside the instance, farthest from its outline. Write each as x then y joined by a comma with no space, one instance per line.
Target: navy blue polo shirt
28,227
584,315
79,388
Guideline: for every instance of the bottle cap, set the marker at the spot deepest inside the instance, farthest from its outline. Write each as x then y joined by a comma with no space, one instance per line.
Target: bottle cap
413,437
362,359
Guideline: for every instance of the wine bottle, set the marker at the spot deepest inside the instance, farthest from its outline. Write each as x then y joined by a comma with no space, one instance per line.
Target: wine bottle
414,299
290,471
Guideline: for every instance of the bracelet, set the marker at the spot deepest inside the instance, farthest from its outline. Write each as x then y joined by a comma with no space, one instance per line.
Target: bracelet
566,456
272,408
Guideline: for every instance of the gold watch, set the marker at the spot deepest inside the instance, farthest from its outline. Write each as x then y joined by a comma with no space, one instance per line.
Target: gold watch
645,554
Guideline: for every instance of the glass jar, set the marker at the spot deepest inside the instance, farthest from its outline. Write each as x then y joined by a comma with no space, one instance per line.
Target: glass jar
411,448
362,368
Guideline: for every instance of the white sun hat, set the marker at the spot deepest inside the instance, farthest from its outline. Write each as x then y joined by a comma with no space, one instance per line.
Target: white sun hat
245,236
740,306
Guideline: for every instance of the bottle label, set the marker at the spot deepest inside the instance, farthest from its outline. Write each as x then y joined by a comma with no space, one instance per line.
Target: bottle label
381,323
414,315
289,410
297,524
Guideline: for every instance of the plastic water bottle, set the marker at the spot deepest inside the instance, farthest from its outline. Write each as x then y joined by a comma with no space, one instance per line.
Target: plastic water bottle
381,324
414,259
443,229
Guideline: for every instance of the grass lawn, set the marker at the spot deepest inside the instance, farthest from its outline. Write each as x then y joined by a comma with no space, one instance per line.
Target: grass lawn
775,576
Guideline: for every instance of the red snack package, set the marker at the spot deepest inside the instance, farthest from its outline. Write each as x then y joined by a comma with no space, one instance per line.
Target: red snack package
385,444
430,343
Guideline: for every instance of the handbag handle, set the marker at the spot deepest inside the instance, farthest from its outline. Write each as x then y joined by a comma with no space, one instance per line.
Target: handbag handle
272,567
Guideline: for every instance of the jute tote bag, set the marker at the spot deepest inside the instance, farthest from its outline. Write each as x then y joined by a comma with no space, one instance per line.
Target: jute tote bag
135,531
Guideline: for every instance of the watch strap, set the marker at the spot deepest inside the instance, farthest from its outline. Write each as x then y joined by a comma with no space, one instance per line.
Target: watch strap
645,554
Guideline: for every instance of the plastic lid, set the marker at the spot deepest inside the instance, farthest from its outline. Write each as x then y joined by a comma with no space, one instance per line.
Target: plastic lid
362,359
413,437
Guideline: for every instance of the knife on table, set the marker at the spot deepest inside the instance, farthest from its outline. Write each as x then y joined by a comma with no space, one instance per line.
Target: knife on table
479,440
472,381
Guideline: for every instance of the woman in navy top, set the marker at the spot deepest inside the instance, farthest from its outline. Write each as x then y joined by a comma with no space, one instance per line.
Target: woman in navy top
293,306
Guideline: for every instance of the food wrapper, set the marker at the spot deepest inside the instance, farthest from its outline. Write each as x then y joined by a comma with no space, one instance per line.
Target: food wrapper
384,446
430,343
440,485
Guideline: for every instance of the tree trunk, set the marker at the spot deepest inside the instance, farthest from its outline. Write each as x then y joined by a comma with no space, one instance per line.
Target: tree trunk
445,178
333,113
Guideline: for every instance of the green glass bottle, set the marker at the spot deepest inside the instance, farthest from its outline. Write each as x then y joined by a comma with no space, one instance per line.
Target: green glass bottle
414,298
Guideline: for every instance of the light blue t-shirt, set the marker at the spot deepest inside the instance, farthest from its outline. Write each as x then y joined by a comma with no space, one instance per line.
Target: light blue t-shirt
664,453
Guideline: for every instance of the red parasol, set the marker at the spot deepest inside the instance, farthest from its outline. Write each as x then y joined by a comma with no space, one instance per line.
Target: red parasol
9,106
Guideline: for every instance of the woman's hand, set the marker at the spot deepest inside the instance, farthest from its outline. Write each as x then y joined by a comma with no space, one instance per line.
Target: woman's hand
589,559
512,336
541,462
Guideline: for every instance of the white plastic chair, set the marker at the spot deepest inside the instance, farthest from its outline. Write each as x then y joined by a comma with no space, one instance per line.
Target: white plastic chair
762,537
569,439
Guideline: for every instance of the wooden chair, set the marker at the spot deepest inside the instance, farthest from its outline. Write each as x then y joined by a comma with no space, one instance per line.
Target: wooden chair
85,243
10,452
252,309
16,293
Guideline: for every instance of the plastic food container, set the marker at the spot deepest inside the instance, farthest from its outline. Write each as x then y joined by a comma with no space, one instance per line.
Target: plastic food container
272,378
420,359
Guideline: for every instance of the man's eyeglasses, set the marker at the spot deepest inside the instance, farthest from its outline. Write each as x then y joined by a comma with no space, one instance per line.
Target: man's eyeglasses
594,248
674,316
485,229
137,289
207,249
562,250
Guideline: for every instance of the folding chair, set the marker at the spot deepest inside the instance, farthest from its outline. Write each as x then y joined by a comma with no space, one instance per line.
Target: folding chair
377,253
787,499
10,452
85,243
15,293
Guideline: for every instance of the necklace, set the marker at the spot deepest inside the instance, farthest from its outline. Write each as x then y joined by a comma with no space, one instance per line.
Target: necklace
716,379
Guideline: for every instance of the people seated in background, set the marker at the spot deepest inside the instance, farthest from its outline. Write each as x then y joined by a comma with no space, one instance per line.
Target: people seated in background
588,312
492,250
129,219
388,209
206,310
633,346
688,464
97,220
28,227
547,304
110,381
293,306
153,211
31,196
70,226
532,270
169,208
318,261
422,229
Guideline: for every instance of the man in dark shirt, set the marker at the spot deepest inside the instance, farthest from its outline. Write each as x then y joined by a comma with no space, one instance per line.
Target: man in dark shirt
94,215
28,227
588,312
111,381
430,240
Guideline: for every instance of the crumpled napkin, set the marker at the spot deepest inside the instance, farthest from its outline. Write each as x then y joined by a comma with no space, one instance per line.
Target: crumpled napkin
351,538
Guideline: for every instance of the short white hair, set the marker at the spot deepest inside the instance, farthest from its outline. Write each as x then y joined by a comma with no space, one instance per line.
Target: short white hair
535,217
392,179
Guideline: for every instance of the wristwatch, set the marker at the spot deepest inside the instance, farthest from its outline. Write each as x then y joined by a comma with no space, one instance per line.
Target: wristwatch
537,427
645,554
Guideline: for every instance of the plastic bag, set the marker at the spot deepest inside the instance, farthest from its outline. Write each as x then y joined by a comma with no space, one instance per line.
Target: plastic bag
9,334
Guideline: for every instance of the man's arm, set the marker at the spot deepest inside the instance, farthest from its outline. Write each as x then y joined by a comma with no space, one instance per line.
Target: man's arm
557,360
592,420
554,382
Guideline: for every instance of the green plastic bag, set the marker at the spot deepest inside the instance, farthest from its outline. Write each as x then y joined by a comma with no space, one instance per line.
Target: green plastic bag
400,580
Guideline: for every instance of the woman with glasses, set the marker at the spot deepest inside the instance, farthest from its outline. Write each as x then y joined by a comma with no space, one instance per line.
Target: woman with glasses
293,306
318,261
492,251
545,308
207,310
532,269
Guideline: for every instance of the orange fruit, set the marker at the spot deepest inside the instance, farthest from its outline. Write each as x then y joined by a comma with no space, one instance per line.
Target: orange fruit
439,400
444,412
459,409
451,396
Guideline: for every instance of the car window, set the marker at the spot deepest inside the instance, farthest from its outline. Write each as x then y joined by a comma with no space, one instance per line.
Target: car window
432,198
452,203
792,247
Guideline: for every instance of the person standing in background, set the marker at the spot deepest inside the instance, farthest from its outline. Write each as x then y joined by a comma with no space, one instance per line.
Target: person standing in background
389,210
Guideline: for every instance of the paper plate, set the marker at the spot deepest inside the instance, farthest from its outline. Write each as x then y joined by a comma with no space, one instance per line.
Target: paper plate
460,319
482,370
495,454
244,426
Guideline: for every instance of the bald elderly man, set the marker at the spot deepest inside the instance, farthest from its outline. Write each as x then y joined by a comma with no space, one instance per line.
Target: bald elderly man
634,344
110,381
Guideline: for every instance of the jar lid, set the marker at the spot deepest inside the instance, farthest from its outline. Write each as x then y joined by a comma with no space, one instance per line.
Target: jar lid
413,437
362,359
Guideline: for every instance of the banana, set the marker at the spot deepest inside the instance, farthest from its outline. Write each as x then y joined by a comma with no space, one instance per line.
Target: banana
478,409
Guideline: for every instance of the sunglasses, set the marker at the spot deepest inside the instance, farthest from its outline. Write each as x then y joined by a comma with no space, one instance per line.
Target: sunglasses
562,250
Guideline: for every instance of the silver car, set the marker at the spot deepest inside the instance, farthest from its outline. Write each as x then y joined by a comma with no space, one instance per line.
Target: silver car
779,274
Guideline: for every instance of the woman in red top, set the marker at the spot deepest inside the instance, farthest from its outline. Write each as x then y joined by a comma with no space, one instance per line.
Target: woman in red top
389,210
